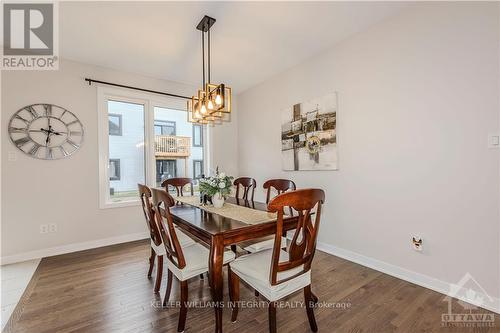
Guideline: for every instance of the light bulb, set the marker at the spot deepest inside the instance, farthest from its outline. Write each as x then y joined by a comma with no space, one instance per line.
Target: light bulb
210,105
203,109
197,115
218,100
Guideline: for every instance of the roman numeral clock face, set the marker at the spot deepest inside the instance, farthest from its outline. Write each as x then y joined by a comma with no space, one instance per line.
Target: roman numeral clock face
46,131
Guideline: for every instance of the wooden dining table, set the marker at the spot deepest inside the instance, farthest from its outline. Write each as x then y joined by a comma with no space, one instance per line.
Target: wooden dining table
217,232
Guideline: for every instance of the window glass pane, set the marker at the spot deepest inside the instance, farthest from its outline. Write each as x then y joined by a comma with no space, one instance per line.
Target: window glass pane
169,129
174,151
158,130
126,151
114,169
197,135
115,124
164,127
165,169
197,169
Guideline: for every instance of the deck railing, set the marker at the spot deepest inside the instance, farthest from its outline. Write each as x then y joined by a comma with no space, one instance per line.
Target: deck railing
172,146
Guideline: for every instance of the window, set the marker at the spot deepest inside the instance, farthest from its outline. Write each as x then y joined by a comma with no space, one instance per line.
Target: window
122,157
197,168
163,127
165,169
143,138
114,169
197,135
128,150
115,124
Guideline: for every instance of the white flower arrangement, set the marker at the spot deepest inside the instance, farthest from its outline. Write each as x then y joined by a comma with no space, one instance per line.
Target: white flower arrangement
218,184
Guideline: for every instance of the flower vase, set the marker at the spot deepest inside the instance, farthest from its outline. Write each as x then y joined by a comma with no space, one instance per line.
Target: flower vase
218,200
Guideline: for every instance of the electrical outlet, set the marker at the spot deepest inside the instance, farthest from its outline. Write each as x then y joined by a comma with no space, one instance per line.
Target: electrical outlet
493,140
52,227
12,156
44,228
417,243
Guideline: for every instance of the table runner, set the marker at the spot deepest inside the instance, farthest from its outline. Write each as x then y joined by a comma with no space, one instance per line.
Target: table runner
235,212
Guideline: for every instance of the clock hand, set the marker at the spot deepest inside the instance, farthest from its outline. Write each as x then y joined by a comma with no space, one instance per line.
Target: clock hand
49,132
59,133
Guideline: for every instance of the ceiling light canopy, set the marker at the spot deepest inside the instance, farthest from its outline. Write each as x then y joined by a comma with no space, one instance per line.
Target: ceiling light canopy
212,104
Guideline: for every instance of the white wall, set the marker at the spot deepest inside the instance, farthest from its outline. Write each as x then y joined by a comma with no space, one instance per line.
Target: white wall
224,144
418,95
65,191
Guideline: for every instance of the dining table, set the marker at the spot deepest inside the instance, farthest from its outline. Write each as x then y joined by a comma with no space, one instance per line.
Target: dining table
218,231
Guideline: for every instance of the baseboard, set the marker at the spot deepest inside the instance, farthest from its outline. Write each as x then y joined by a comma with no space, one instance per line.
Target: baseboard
57,250
491,303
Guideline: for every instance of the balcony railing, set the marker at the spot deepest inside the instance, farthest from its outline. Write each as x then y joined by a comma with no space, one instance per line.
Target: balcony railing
172,146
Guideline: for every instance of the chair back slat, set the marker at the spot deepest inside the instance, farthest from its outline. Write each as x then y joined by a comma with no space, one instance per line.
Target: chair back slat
147,209
303,245
280,186
178,184
162,201
248,185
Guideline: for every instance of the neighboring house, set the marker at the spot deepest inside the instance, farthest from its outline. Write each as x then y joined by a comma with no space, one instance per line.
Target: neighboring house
178,146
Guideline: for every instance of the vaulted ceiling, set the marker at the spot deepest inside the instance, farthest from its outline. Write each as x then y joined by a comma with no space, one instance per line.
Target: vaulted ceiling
251,41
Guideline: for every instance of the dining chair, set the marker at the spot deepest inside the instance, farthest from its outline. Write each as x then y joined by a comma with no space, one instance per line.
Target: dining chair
178,184
278,273
157,249
279,186
183,262
248,184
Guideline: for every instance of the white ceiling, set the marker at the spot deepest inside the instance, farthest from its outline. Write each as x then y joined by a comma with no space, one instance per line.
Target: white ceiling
251,41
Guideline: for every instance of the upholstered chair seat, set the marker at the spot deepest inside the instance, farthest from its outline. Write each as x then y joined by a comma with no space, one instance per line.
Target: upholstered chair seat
196,257
255,268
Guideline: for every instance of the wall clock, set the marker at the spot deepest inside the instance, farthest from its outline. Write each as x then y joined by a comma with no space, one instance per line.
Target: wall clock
46,131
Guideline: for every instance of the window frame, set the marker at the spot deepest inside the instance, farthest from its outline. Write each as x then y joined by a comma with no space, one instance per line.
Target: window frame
149,101
201,135
120,123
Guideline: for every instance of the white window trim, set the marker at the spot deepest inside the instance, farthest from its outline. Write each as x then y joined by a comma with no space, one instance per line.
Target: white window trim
149,101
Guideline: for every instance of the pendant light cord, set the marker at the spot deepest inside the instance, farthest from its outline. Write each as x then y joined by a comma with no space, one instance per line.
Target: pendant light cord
203,55
209,56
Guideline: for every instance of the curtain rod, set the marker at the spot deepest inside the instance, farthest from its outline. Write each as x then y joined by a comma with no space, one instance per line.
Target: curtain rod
90,81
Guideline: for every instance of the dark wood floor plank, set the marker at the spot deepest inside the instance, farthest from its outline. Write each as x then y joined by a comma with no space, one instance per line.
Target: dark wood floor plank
106,290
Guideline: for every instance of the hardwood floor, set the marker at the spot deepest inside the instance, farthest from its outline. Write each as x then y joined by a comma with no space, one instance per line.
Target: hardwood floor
106,290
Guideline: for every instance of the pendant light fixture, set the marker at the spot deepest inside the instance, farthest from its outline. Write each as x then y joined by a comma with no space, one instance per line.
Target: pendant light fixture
212,104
